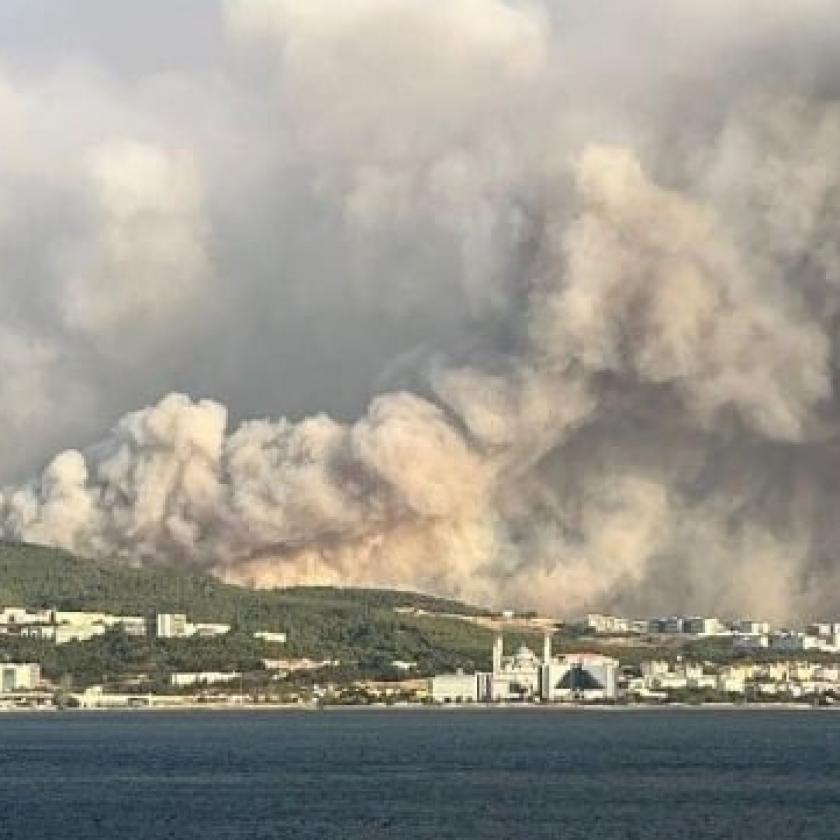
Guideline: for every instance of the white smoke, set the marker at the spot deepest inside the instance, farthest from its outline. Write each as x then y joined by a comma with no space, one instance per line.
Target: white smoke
609,262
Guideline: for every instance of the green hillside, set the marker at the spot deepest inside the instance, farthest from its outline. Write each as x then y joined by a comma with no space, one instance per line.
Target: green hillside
359,627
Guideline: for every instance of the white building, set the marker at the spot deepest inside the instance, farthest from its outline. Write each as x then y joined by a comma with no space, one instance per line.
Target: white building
66,633
207,629
21,616
268,636
654,667
455,688
750,627
826,629
750,641
23,676
795,641
525,677
702,626
185,680
131,625
44,632
176,626
171,625
302,664
660,675
606,624
730,683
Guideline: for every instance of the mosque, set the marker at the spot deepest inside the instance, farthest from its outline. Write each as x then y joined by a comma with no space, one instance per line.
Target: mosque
523,677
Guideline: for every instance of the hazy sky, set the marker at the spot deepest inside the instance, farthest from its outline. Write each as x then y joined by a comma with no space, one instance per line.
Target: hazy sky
556,283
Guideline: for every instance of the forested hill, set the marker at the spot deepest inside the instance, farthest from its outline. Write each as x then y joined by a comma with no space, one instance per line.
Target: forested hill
36,576
350,624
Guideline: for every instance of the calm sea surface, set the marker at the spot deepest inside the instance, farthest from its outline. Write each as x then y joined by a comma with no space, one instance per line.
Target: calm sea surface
421,774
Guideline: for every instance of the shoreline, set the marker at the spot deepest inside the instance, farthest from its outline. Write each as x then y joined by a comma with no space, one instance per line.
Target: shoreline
559,708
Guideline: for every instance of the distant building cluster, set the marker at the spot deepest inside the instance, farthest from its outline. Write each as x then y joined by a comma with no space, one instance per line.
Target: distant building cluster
525,677
614,625
747,634
658,679
822,637
63,626
176,626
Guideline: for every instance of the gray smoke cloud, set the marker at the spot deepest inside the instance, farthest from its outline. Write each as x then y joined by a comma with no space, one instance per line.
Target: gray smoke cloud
564,278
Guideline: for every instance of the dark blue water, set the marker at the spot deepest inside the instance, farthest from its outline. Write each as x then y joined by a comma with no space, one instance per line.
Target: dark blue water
421,774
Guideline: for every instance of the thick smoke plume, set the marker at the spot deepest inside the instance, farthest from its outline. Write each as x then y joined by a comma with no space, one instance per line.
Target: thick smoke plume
578,282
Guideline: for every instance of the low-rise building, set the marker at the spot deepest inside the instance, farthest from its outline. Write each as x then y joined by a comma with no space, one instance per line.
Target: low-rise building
606,624
66,633
302,664
131,625
199,678
751,627
176,626
455,688
750,641
654,667
271,636
730,684
207,629
21,616
796,641
702,626
667,625
171,626
19,676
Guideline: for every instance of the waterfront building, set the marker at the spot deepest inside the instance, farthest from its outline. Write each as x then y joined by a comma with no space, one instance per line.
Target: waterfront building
654,667
456,688
19,676
525,677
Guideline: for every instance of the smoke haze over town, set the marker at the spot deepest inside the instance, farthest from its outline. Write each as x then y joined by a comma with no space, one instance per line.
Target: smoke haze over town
525,302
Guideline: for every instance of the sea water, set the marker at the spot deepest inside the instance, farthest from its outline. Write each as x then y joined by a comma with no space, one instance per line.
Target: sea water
611,775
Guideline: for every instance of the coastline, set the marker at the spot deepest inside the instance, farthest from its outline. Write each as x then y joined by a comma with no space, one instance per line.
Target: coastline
558,708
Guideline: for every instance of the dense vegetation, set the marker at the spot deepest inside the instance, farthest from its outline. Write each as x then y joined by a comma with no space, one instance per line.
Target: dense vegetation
358,627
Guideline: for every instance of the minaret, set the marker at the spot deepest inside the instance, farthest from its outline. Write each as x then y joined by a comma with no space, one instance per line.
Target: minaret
545,671
498,649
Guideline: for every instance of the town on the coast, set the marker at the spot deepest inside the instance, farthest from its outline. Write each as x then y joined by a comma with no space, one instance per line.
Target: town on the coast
596,660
